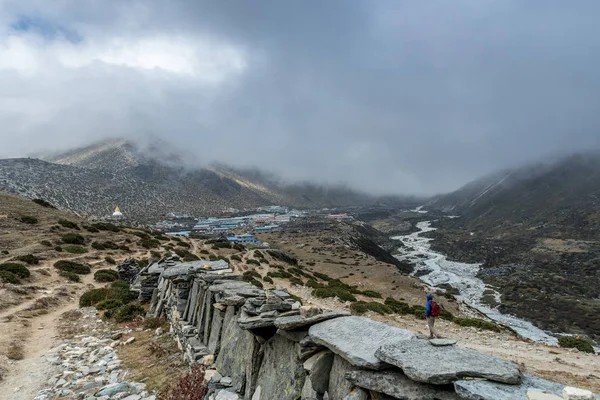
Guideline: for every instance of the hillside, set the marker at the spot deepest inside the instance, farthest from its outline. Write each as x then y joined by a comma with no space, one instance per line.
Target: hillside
535,230
150,181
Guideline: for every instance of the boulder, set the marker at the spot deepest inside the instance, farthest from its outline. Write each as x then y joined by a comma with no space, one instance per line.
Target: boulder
237,349
214,341
356,339
309,393
535,395
281,375
339,386
309,311
113,389
423,362
319,367
572,393
297,321
443,342
396,384
255,322
294,336
226,395
478,389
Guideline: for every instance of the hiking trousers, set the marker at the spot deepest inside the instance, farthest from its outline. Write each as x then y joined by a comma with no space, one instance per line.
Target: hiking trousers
430,324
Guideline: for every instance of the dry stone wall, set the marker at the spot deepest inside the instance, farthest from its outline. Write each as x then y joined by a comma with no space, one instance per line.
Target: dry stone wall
263,345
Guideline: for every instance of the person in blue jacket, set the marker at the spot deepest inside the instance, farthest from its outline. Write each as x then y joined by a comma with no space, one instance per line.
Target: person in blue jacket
430,318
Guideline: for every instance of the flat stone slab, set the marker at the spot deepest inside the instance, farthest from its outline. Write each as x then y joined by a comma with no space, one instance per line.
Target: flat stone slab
297,321
443,342
255,322
477,389
357,338
439,365
397,385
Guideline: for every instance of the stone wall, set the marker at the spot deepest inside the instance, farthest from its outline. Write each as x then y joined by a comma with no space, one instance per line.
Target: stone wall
263,345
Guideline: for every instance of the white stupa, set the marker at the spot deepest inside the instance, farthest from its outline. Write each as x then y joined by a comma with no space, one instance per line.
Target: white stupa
117,213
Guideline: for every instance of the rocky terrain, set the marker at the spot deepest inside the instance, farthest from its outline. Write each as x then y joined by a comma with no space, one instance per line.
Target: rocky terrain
148,182
536,231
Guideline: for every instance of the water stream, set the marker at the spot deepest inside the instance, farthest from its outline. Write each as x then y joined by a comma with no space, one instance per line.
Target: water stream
435,269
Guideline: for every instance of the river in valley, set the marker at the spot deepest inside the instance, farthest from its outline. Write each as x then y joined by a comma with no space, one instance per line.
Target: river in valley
435,269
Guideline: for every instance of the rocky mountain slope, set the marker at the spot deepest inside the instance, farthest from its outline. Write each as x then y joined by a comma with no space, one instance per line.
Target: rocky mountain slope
535,230
152,180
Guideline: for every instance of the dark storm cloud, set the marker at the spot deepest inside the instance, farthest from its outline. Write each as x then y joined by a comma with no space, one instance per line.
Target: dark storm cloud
398,96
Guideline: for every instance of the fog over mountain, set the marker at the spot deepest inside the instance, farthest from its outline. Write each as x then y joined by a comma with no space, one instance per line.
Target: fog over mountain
386,96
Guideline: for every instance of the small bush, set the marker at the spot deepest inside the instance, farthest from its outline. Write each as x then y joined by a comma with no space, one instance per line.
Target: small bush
155,254
236,257
212,257
110,260
222,245
239,247
58,248
76,249
360,307
90,229
19,270
279,274
8,277
477,323
250,274
149,243
46,243
204,251
4,252
71,266
192,257
267,279
70,276
28,219
184,244
28,259
120,285
128,312
124,248
109,304
371,293
321,276
313,284
43,203
323,293
155,322
253,262
73,238
575,342
190,386
296,281
68,224
92,297
281,256
258,254
106,275
105,226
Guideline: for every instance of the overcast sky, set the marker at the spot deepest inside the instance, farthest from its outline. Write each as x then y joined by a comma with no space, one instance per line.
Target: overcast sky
412,97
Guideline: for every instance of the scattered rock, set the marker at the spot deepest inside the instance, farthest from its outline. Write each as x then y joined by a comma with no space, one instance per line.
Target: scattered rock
130,340
535,395
479,389
357,338
309,311
226,395
571,393
423,362
443,342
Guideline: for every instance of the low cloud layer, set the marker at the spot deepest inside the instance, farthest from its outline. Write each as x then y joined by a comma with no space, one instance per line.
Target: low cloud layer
387,96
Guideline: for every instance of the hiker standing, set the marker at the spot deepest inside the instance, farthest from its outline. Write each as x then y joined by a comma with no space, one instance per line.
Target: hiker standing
432,310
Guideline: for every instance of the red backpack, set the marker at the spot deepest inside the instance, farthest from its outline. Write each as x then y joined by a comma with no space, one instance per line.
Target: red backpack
435,309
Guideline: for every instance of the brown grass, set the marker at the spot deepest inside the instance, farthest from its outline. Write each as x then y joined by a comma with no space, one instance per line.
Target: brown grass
153,360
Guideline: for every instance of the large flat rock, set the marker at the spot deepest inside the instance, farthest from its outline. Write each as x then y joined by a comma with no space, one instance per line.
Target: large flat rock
297,321
356,339
397,385
486,390
423,362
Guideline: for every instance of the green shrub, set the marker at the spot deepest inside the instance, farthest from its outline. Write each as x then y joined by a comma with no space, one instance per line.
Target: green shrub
343,294
4,252
124,248
184,244
70,276
575,342
155,254
58,248
143,263
106,275
267,279
71,266
75,249
255,282
204,251
281,256
120,285
250,274
323,293
68,224
212,257
73,238
239,247
221,245
128,312
28,219
19,270
321,276
28,259
360,307
110,260
313,284
106,226
236,257
149,243
258,254
8,277
398,307
92,297
296,281
191,257
90,229
253,262
46,243
155,322
279,274
109,304
43,203
371,293
299,272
